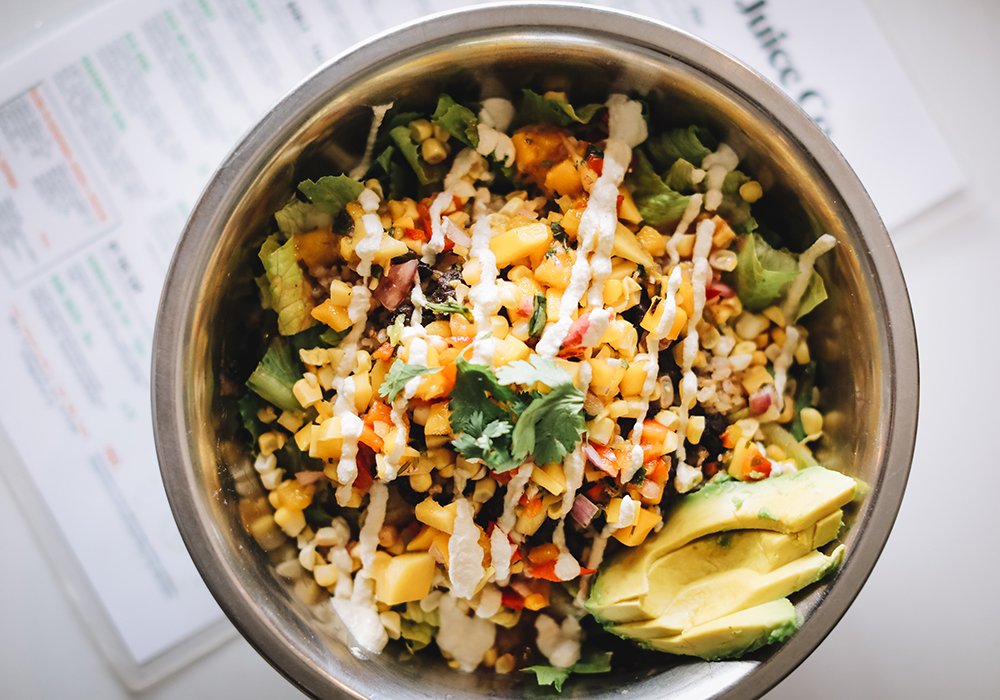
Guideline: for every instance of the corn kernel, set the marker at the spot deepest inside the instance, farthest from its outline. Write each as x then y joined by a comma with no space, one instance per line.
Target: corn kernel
485,488
505,664
266,414
440,133
759,358
775,453
290,421
749,326
756,377
420,130
695,429
290,520
270,442
751,191
535,601
326,575
307,390
812,421
802,352
775,315
433,151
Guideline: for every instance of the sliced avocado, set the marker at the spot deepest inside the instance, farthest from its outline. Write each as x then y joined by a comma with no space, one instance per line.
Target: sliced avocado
726,592
755,552
629,597
734,635
787,503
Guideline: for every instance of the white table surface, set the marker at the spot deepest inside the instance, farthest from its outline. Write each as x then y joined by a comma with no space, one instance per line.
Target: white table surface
925,624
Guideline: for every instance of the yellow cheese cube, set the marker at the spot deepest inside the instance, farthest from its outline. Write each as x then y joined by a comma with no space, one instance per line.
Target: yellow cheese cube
404,578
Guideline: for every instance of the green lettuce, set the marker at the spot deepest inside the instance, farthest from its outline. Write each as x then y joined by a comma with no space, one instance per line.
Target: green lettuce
331,194
556,676
457,120
538,109
689,144
274,378
301,217
657,203
418,628
290,293
426,173
763,275
679,177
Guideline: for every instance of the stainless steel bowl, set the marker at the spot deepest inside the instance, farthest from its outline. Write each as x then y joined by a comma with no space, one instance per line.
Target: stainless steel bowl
864,333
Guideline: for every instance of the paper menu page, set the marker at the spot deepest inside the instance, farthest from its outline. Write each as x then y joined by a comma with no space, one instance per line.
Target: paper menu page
107,135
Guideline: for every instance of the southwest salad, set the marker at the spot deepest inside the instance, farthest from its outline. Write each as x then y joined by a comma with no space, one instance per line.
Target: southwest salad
503,348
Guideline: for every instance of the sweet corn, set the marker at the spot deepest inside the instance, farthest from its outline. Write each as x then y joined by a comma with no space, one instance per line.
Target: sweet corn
420,130
695,429
812,421
290,520
433,151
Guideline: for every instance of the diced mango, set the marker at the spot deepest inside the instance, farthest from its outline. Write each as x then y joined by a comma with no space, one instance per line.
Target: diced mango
520,242
316,248
564,179
605,377
644,524
652,319
442,518
508,350
555,270
404,578
423,540
362,392
633,380
437,421
327,439
627,246
628,212
332,315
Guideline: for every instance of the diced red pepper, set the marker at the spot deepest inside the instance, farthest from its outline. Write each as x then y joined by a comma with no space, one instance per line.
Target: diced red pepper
378,412
532,507
510,598
596,164
384,352
415,234
595,493
618,204
365,461
547,571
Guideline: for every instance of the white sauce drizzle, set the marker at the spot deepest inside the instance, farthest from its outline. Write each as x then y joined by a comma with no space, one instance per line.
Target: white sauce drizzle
360,614
515,489
807,261
690,214
783,362
483,294
717,165
567,567
465,556
689,382
559,643
466,639
378,496
501,551
378,114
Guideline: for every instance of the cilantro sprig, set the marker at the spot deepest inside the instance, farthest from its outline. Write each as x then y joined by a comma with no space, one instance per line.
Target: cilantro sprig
450,307
503,427
399,374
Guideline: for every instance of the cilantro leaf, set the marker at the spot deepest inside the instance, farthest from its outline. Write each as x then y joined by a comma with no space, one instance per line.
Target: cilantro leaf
331,194
399,374
553,675
457,120
477,391
450,307
489,443
539,317
551,425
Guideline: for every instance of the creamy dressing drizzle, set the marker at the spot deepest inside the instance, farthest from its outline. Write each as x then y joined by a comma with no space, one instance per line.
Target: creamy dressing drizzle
501,551
717,165
690,214
596,234
483,293
686,479
417,349
378,114
807,261
515,489
465,556
465,639
783,362
360,614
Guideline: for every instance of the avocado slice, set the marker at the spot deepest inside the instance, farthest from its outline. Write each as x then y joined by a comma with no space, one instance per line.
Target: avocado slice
629,597
789,503
727,592
786,503
734,635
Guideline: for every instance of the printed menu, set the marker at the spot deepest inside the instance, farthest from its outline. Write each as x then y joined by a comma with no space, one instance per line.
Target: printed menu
110,129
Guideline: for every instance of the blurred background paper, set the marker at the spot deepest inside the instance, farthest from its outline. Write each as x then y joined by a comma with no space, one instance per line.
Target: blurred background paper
109,130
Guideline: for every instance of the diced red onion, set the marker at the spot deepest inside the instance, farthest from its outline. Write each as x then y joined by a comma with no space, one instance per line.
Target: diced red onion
761,399
584,510
306,478
455,233
598,461
396,283
715,288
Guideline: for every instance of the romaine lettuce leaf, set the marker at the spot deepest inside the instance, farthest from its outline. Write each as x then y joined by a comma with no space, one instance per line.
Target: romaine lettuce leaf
692,144
553,675
457,120
426,173
331,194
301,217
763,273
274,378
290,292
657,203
538,109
